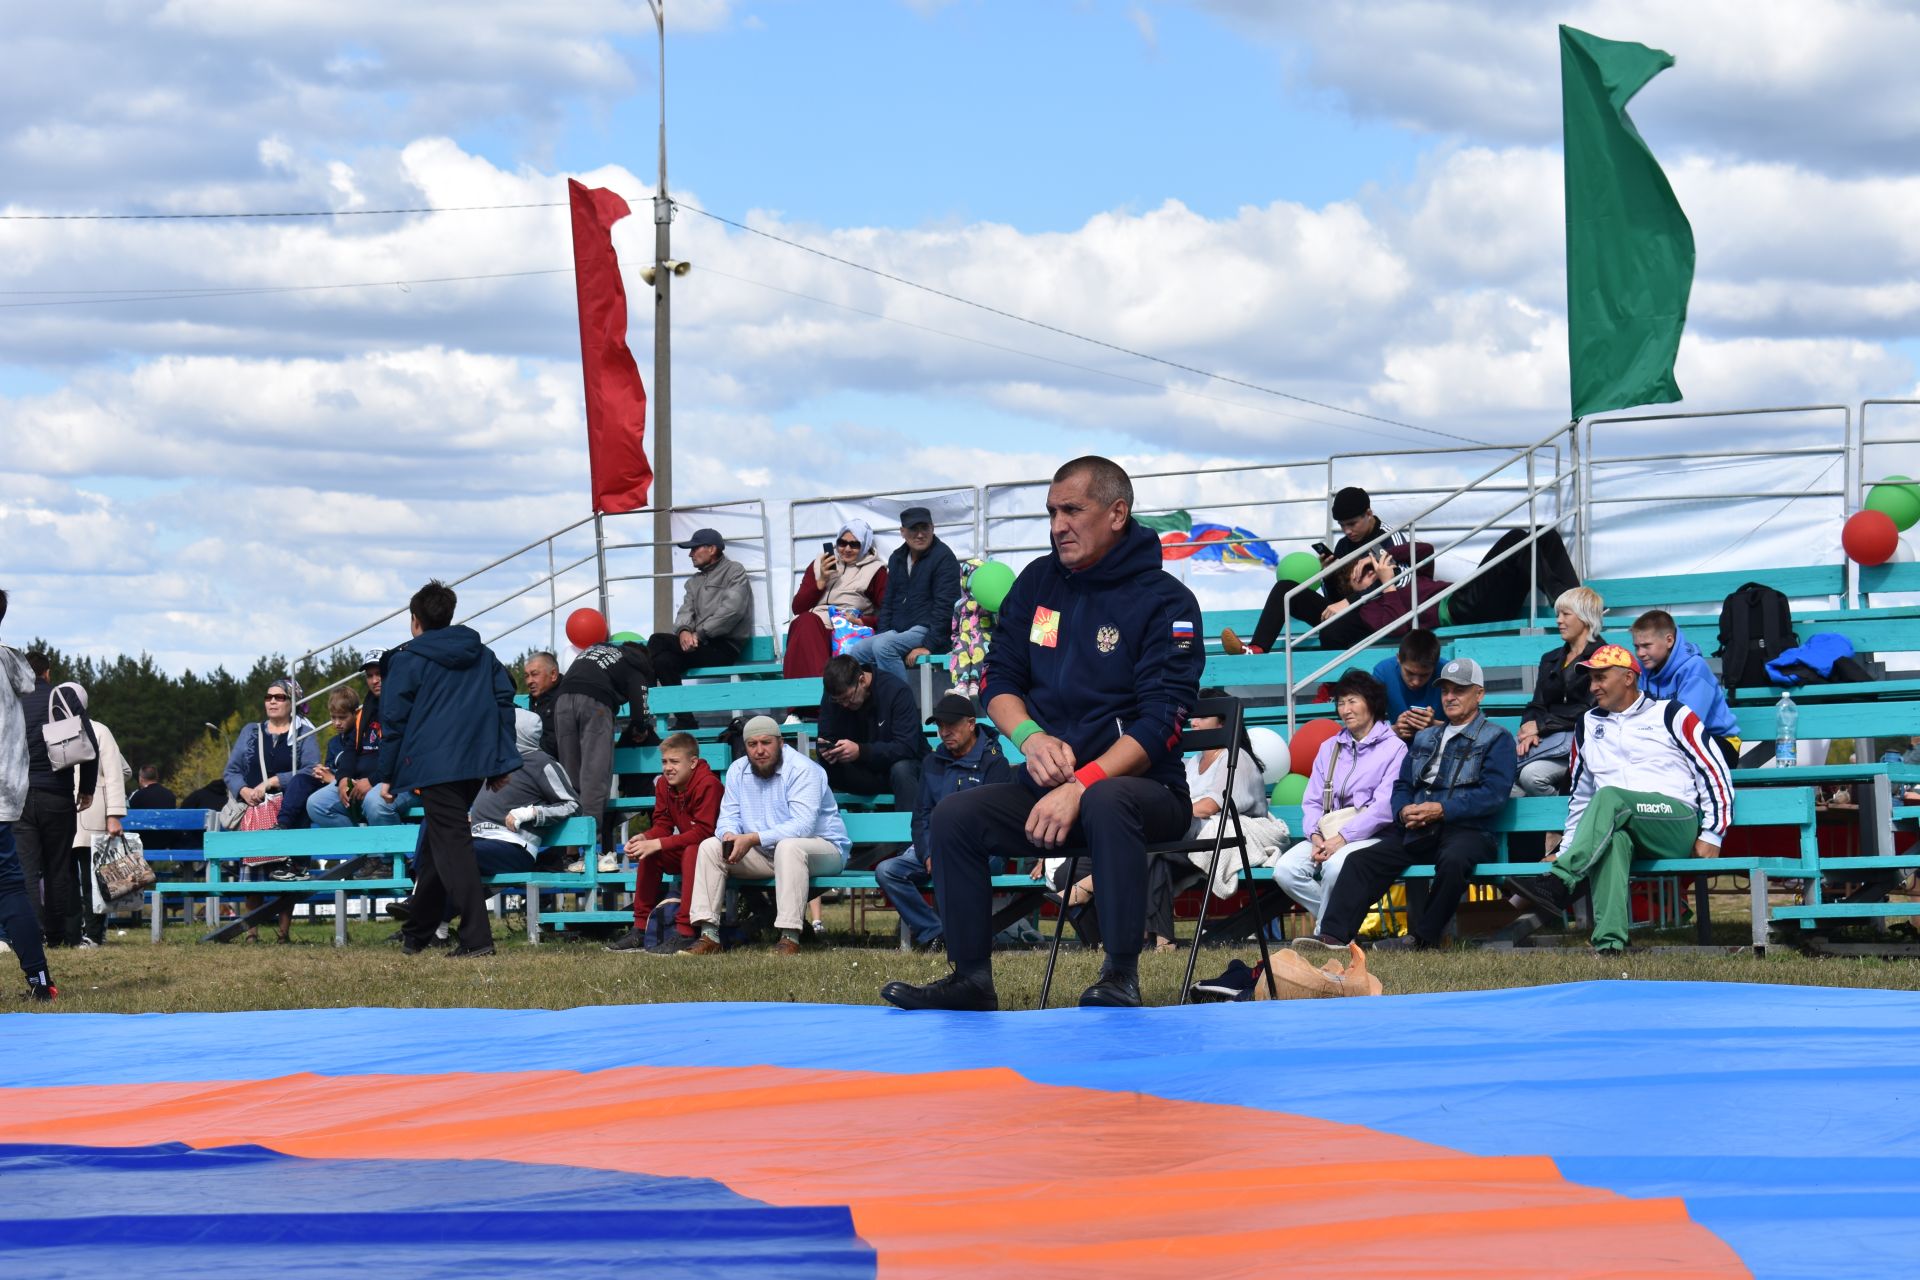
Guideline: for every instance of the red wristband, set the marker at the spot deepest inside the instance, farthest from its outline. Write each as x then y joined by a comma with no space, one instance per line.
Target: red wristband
1088,774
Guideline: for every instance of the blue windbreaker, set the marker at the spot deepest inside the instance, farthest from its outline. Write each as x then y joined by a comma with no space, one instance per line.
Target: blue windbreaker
1686,678
446,711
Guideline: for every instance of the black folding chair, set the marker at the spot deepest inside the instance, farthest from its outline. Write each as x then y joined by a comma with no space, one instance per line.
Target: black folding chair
1227,737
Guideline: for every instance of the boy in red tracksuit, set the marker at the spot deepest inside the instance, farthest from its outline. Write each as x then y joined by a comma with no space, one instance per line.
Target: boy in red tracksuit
686,807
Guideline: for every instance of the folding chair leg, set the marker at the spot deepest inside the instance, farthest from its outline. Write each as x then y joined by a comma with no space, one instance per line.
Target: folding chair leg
1059,927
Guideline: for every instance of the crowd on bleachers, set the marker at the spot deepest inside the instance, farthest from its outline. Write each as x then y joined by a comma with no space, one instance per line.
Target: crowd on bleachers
1088,668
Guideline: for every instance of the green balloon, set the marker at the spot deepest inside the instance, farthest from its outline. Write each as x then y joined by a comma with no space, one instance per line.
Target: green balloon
990,584
1291,789
626,637
1298,566
1899,499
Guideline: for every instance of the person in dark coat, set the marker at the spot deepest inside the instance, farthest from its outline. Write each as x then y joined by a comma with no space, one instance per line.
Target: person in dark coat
44,831
446,717
871,740
543,690
1092,675
1561,695
602,678
968,756
923,581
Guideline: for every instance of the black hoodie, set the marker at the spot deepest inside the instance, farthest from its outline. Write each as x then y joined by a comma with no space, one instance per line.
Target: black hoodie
1109,651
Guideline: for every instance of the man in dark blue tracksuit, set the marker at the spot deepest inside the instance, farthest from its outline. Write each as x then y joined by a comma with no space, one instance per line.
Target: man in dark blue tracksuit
1094,667
446,720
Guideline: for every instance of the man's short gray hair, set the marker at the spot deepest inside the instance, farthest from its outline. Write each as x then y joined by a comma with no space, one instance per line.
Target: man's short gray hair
541,655
1107,480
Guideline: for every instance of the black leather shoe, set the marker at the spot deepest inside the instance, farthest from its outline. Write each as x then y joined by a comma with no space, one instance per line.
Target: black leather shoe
1544,892
956,991
1112,992
464,953
402,910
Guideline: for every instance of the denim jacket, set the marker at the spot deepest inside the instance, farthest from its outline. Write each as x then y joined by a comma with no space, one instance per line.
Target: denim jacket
1475,775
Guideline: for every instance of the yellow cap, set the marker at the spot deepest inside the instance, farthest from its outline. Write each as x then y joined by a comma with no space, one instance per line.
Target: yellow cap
1612,655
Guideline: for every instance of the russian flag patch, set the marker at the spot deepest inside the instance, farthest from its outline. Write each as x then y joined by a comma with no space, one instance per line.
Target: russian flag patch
1183,631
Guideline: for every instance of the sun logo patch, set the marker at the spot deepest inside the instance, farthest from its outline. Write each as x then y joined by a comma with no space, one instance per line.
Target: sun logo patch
1046,628
1107,639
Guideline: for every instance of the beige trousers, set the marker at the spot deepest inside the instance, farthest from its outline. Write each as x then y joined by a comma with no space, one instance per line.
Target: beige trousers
792,864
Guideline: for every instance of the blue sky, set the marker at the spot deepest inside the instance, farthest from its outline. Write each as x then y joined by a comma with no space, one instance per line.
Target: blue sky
1358,203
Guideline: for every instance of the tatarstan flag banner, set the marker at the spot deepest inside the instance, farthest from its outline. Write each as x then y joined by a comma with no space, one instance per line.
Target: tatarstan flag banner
616,400
1629,245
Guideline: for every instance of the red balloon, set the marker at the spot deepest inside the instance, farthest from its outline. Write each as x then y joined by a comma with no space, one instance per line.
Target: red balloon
586,628
1307,741
1870,537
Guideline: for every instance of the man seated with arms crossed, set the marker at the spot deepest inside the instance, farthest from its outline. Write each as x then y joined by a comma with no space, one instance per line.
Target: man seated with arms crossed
968,756
1093,671
686,809
1671,668
542,670
871,739
1647,781
778,819
1413,699
1455,778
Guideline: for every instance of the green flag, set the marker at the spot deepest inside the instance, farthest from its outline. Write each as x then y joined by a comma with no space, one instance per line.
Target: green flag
1172,522
1629,246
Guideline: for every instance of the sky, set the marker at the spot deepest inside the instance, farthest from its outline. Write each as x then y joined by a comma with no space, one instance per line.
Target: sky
232,435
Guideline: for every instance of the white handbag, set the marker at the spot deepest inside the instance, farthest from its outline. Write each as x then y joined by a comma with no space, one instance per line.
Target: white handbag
65,734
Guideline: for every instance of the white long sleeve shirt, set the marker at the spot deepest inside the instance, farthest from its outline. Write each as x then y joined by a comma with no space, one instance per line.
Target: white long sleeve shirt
794,803
1655,746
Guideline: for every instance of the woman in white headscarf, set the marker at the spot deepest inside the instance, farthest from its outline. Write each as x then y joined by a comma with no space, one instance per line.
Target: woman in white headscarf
848,575
102,817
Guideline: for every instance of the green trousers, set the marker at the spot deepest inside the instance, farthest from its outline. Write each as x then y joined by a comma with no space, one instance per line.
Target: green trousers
1618,825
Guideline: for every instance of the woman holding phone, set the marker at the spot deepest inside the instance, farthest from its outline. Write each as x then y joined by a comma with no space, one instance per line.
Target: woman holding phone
848,575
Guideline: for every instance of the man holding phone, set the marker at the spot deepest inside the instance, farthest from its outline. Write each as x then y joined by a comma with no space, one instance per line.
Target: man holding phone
778,819
1413,699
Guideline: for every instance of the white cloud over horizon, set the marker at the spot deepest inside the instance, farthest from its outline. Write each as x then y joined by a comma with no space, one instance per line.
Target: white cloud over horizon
207,477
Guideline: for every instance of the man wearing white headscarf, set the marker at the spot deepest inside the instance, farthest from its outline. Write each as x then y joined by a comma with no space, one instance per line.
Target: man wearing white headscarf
848,578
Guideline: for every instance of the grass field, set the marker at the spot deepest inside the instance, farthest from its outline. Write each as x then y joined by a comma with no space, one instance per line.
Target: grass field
131,976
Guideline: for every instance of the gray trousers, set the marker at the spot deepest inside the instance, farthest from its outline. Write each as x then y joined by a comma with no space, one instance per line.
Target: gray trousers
583,731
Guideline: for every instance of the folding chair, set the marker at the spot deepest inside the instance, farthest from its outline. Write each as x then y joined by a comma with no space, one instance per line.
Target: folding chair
1227,737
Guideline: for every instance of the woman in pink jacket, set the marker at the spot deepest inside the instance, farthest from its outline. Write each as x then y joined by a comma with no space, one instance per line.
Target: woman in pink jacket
1349,793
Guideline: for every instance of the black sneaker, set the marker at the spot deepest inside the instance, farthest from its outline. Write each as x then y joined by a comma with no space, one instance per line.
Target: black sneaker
40,989
1544,892
409,947
631,940
1113,991
1404,942
401,910
467,953
671,945
956,992
1234,984
284,874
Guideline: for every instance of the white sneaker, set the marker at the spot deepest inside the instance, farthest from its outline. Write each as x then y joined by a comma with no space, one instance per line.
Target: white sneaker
575,867
86,943
790,720
609,862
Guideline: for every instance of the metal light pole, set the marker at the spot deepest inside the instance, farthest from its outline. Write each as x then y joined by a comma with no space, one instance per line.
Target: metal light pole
662,363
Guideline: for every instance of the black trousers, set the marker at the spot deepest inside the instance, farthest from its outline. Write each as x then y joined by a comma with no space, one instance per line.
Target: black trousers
1367,873
44,838
17,918
1500,592
671,663
447,874
1307,606
1119,818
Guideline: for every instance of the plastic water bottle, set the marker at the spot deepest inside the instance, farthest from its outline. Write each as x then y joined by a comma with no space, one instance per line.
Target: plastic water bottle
1786,748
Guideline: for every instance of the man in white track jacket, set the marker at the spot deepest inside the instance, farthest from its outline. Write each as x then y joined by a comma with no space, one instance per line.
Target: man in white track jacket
1647,782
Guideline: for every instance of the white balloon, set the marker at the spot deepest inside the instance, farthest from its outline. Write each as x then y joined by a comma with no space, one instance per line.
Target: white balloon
1272,750
1902,552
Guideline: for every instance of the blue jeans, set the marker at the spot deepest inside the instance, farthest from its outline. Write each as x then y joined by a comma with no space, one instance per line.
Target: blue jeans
902,878
325,810
887,650
17,918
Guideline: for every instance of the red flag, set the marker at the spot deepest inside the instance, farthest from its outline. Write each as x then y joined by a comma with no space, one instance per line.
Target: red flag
616,400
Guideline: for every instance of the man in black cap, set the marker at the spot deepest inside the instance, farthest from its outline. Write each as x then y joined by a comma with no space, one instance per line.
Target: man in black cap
969,755
923,582
1353,512
715,619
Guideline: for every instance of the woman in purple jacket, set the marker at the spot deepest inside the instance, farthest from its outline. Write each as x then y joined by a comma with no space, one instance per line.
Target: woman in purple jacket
1352,783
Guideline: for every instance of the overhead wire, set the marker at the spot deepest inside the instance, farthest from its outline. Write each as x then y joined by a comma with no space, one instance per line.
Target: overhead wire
141,295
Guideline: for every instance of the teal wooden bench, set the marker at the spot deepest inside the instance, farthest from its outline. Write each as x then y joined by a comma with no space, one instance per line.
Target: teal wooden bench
342,844
641,760
1766,807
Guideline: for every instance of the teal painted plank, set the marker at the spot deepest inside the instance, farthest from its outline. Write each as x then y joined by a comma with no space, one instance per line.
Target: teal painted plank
735,696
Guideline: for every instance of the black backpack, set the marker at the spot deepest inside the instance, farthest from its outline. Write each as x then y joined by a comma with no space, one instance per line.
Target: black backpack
1756,626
